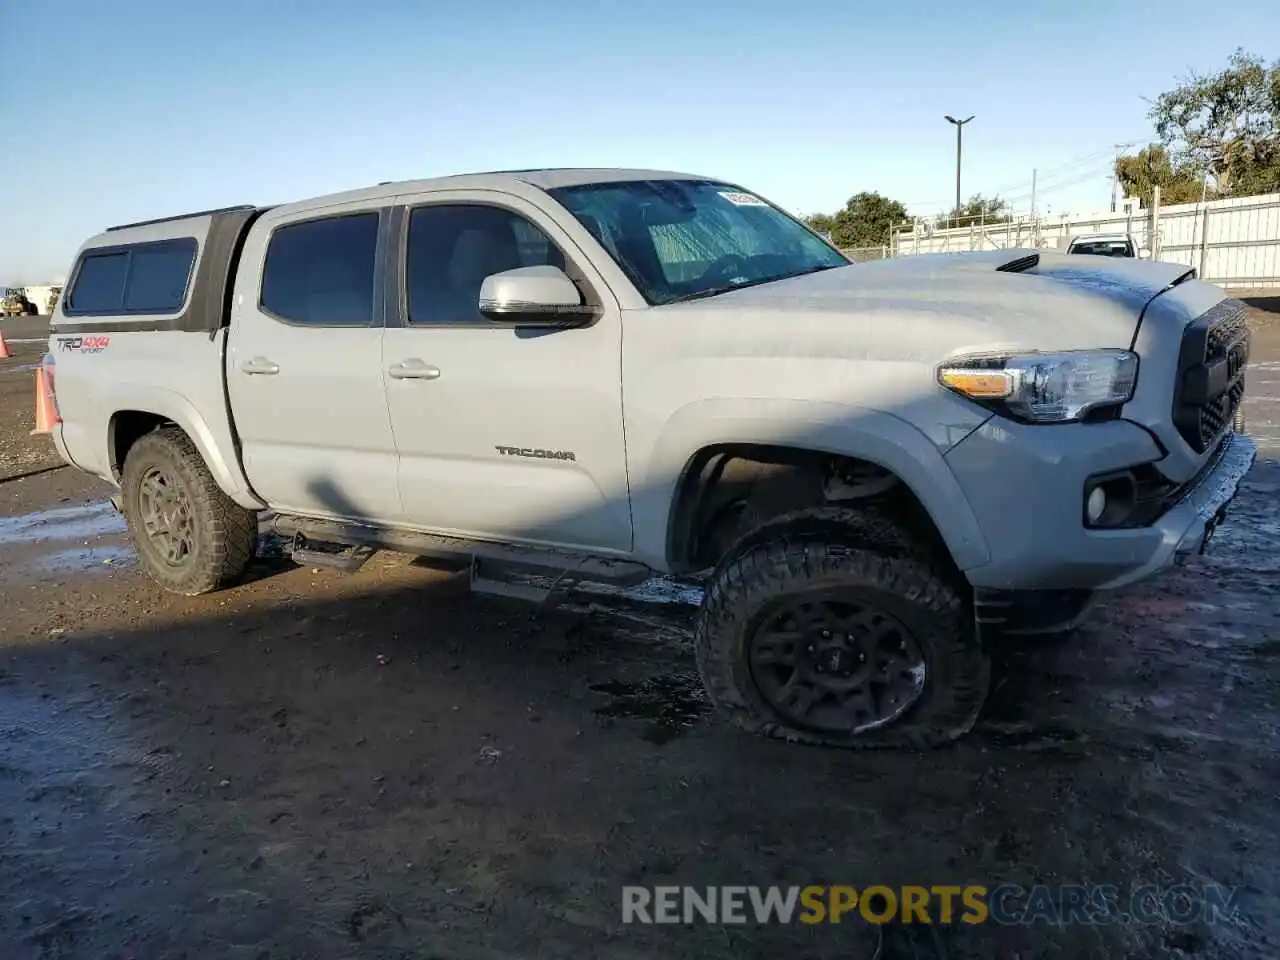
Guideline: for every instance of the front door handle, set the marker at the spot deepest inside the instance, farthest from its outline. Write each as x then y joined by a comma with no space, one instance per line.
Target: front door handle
413,369
260,365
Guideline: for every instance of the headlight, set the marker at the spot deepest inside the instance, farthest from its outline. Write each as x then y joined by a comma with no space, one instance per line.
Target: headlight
1044,387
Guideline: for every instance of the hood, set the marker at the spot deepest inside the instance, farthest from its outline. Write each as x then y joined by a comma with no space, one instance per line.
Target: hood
931,306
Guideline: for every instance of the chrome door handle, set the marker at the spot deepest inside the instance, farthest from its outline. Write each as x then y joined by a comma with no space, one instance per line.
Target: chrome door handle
260,365
413,369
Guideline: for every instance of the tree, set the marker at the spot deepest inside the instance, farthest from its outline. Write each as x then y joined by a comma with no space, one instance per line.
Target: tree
1248,169
865,221
1228,123
976,210
820,222
1151,167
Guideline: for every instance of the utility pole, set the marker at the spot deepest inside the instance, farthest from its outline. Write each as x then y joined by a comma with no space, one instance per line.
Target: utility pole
1115,180
1153,243
1033,225
959,125
1204,217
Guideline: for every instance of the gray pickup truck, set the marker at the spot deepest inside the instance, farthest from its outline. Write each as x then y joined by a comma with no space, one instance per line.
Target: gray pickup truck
596,375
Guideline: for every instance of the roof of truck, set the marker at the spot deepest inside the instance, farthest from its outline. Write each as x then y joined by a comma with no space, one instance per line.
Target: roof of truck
543,179
547,178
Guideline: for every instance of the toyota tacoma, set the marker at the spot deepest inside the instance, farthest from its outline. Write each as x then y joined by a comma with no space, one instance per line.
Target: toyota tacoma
599,375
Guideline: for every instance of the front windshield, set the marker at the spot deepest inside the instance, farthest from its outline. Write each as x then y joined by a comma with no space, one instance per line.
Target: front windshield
1104,248
685,239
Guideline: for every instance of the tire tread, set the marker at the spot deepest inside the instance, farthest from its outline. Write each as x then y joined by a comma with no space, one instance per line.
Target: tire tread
822,546
226,530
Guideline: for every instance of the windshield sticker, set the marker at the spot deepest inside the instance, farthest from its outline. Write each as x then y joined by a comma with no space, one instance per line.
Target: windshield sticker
742,199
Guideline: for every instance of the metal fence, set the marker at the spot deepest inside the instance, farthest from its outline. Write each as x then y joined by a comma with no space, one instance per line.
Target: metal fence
1234,243
862,254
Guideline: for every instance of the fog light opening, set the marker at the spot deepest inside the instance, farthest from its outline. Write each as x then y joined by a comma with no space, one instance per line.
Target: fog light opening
1110,501
1097,504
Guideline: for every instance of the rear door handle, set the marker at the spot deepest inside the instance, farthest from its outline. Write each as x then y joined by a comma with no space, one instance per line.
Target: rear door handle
260,365
413,369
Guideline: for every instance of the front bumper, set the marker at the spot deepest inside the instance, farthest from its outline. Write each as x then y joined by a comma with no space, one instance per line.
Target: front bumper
1187,528
1026,486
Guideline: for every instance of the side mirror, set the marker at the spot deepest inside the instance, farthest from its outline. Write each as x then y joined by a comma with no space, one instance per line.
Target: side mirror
533,295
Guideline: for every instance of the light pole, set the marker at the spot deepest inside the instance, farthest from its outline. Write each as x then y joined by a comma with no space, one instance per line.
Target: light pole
959,125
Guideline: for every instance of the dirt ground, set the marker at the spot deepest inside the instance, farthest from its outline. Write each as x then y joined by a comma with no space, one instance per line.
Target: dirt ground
380,765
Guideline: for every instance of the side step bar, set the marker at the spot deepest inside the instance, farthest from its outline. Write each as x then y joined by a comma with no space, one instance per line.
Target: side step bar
323,553
495,568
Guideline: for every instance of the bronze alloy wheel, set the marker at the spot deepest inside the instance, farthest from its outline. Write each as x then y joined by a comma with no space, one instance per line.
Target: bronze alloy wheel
164,510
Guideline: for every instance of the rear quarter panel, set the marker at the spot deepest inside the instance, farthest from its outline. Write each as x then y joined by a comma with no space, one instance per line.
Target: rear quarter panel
106,365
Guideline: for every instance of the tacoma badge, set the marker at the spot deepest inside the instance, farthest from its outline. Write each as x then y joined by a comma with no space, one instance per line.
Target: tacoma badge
536,453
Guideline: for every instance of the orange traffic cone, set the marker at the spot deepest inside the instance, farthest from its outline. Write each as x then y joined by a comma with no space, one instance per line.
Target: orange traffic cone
45,416
5,352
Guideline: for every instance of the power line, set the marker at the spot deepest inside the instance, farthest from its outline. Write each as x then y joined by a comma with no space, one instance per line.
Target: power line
1064,179
1059,188
1050,172
1022,190
1071,166
1062,176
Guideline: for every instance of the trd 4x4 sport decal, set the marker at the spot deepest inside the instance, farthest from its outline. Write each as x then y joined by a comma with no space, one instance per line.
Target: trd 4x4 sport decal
83,344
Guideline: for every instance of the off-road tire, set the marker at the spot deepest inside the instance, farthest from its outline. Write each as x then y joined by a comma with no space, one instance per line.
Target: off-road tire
1237,421
816,549
224,532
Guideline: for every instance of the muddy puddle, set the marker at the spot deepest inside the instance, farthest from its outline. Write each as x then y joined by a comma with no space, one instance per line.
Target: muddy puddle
72,540
1262,393
655,590
668,704
83,560
66,759
62,523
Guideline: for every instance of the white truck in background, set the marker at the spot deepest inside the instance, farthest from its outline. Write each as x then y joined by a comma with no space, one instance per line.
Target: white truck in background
1107,245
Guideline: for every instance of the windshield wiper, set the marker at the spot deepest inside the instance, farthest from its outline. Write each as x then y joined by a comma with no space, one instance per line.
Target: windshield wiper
726,287
818,269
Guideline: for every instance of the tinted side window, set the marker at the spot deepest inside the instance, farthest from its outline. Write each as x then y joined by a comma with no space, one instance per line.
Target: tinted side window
99,284
453,247
322,271
158,277
138,278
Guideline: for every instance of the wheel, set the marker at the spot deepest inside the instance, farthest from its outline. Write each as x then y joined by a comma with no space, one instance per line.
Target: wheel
1237,421
822,636
190,536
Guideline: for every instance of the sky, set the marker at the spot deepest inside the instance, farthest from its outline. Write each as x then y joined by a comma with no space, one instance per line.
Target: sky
122,111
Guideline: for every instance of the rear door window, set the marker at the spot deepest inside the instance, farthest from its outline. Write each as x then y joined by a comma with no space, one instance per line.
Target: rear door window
321,272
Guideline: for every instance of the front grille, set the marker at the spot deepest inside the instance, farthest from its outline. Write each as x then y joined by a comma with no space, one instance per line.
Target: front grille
1211,367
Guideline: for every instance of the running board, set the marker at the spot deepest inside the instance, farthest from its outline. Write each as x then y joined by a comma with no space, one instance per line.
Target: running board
307,552
495,568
